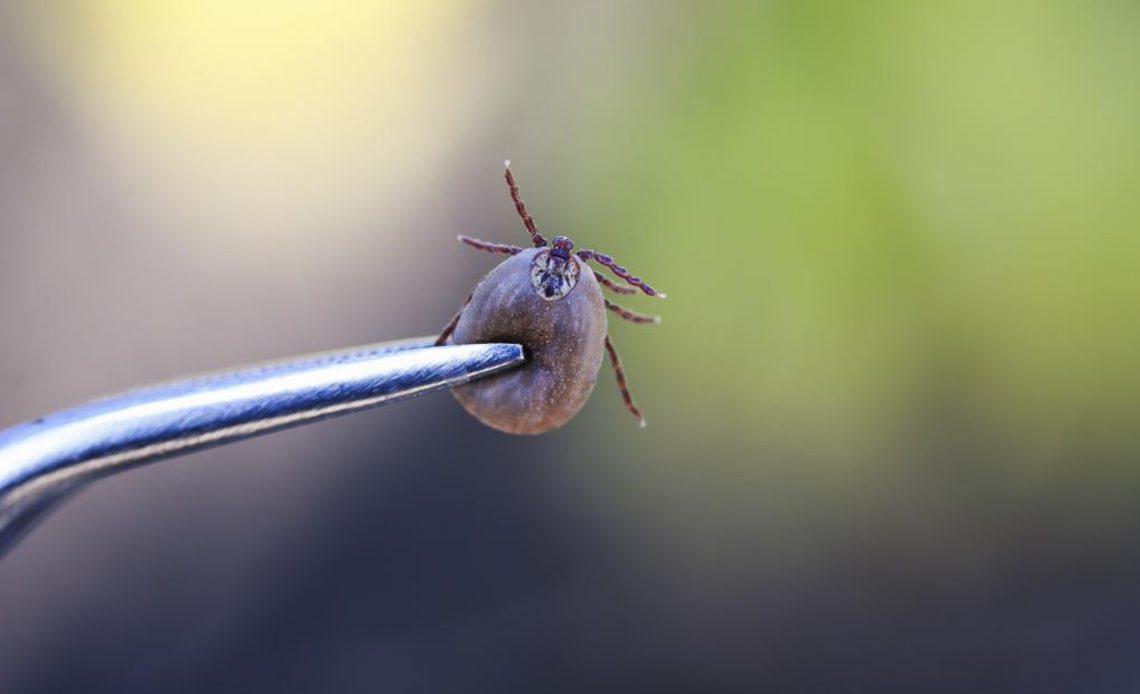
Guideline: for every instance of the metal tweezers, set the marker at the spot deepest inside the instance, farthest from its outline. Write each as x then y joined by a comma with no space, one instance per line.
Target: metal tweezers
46,460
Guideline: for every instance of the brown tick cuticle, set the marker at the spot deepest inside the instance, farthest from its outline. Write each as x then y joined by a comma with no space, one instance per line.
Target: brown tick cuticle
563,340
548,300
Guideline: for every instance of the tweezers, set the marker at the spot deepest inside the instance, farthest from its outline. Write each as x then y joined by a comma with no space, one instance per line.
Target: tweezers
46,460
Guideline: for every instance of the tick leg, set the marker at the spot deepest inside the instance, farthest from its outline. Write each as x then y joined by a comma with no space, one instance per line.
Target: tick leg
488,246
619,271
613,286
539,242
622,385
630,315
450,327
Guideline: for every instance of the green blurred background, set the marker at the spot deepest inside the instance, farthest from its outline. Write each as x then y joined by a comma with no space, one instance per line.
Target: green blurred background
892,406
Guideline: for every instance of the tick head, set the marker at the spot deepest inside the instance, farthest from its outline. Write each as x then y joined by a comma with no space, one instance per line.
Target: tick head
562,247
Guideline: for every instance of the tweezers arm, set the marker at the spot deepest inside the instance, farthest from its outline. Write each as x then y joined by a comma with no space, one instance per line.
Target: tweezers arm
41,460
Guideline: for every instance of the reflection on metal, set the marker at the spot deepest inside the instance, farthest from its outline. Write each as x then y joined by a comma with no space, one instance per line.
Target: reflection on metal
43,461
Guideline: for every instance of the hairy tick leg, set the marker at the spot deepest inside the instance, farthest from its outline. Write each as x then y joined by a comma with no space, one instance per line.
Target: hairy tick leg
613,286
622,385
587,254
520,206
450,327
489,246
631,316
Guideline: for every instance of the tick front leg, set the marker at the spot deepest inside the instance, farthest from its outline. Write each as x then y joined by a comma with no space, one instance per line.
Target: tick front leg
619,270
622,385
520,207
501,248
630,316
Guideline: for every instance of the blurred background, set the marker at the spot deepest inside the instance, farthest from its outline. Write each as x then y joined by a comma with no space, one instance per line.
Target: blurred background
892,406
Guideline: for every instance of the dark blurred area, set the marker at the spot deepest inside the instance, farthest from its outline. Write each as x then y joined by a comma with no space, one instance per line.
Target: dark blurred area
892,439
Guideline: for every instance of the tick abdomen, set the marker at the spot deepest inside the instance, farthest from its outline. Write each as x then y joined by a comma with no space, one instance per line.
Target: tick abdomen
564,341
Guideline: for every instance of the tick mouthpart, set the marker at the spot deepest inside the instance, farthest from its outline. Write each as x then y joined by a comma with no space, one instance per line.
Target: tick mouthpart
562,247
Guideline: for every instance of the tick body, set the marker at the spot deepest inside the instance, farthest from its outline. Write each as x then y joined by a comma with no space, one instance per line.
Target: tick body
550,301
563,338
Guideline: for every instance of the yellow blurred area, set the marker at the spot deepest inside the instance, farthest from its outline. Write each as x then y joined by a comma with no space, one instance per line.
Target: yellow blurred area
261,120
246,75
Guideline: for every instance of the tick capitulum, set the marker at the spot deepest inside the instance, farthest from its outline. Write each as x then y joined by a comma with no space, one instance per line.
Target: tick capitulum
550,301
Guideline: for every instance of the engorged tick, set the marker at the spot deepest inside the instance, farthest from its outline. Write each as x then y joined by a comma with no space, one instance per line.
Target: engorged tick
548,300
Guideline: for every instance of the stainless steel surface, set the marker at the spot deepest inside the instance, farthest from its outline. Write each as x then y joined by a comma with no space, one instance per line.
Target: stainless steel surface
44,460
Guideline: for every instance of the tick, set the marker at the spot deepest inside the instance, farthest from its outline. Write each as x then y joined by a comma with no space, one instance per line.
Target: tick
549,300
